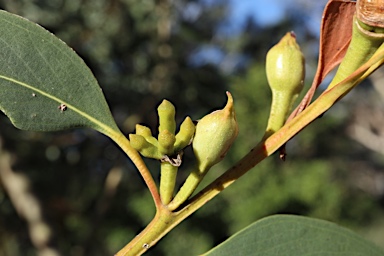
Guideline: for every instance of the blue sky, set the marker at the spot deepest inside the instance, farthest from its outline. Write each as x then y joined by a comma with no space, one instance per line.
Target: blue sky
269,12
264,12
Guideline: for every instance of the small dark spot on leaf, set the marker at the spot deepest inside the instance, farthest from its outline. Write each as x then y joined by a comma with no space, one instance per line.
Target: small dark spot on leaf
62,107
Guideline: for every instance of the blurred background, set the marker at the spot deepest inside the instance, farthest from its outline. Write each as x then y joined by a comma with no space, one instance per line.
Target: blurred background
75,193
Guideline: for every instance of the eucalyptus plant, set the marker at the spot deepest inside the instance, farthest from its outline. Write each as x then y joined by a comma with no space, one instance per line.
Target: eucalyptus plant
72,98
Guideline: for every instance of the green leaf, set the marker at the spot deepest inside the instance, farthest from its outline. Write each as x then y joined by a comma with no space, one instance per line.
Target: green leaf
295,235
38,73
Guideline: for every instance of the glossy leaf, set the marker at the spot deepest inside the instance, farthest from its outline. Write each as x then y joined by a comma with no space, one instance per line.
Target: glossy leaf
295,235
44,84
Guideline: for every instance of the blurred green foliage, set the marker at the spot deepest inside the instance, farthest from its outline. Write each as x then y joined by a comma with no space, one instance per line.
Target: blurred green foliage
140,52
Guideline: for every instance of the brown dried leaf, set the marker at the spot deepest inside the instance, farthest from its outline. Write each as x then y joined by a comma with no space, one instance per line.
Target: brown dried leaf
335,35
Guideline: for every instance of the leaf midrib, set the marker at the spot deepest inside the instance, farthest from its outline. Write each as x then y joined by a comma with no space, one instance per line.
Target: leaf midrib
102,127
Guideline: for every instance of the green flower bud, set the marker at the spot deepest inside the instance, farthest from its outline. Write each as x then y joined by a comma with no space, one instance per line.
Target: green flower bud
166,142
145,148
166,112
143,131
146,133
285,68
214,135
185,135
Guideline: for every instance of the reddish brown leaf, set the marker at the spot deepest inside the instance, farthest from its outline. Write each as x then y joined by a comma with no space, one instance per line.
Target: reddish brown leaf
335,35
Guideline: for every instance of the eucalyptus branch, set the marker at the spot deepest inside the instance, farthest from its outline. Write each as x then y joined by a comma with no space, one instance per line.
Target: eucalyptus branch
137,160
77,101
165,220
288,131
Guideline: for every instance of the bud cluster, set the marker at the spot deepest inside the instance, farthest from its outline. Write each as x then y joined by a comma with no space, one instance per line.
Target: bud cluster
167,143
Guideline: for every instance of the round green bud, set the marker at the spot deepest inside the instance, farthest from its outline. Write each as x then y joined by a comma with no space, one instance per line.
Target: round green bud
285,70
214,135
285,66
166,142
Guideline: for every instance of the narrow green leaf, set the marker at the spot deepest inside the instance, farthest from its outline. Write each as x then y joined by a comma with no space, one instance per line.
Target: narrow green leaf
39,73
295,235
